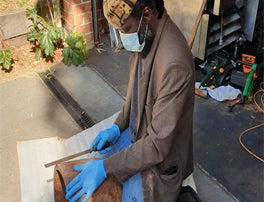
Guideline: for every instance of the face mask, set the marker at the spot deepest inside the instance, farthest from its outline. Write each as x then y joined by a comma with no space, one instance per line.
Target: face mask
131,41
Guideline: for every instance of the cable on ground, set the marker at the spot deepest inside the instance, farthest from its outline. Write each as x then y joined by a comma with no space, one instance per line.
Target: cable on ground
261,108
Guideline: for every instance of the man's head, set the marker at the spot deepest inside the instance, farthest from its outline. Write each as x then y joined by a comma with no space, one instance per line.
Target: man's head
125,15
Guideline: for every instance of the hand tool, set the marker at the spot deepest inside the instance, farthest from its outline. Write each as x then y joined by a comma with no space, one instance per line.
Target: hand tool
94,149
218,70
248,89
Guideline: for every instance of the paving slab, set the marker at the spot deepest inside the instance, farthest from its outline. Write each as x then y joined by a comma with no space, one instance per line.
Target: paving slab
113,67
27,111
93,94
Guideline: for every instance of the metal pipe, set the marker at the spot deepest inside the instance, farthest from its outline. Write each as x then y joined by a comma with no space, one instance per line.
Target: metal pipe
222,19
94,14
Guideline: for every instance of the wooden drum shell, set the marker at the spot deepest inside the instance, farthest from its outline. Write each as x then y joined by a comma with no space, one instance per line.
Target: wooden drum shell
109,191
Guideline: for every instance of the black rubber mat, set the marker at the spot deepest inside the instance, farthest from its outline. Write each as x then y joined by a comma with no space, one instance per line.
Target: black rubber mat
73,108
217,148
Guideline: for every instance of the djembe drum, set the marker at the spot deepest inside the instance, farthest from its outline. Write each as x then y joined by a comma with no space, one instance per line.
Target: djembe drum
109,191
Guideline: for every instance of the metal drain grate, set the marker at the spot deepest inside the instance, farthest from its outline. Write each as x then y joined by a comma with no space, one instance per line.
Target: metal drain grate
73,108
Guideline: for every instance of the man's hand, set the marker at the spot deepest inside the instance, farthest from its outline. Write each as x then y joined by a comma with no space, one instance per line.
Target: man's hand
91,176
110,135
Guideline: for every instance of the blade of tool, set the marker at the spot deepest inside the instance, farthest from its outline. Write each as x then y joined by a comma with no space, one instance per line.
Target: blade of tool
94,149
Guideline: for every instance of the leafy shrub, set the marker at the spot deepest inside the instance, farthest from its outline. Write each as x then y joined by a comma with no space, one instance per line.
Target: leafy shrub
5,2
45,36
21,3
5,59
76,52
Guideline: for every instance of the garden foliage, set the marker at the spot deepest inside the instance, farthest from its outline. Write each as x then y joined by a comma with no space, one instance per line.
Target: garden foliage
76,52
5,59
45,36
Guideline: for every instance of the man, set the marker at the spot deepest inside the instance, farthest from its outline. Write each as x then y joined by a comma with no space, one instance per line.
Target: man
158,109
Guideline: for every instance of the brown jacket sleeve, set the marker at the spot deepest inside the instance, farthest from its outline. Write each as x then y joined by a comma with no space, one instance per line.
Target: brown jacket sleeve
167,110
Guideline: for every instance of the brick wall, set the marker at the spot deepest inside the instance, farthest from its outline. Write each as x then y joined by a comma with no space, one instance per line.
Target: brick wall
77,15
101,21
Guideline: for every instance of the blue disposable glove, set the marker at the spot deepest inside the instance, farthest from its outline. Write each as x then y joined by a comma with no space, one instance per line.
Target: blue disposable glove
91,176
110,135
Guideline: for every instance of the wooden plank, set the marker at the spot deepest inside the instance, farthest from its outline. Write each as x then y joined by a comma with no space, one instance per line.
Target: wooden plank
203,36
196,43
184,14
199,44
197,22
217,6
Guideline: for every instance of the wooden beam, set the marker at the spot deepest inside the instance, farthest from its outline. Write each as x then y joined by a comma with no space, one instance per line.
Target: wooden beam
196,24
203,36
217,4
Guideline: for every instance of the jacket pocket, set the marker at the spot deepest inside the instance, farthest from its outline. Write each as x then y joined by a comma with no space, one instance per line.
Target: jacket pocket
170,172
172,177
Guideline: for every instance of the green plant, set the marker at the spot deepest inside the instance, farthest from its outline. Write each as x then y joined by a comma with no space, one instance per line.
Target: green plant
45,36
21,3
5,59
5,2
76,52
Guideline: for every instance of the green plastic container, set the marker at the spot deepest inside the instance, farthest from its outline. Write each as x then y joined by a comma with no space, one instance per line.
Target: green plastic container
247,93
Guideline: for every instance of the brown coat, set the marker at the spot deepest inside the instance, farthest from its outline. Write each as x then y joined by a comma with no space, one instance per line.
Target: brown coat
166,100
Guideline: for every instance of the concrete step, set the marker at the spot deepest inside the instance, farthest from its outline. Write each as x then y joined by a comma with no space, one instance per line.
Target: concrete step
92,93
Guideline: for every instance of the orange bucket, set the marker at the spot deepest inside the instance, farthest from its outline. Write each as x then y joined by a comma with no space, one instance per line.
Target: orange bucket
249,59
